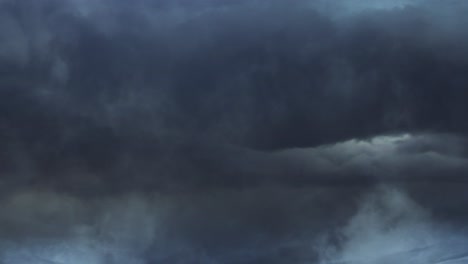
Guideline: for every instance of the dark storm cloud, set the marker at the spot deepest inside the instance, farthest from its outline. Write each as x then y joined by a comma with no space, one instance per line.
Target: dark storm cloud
263,75
232,131
85,81
283,214
258,225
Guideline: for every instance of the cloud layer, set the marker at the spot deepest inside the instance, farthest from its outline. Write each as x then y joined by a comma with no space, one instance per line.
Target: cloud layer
227,131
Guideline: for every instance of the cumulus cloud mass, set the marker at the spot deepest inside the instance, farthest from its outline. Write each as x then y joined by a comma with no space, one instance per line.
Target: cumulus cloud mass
222,131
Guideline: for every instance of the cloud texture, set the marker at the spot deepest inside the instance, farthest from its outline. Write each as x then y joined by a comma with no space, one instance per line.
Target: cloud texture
219,131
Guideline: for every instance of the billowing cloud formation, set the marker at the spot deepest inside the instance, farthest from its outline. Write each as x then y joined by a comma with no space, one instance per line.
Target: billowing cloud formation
389,227
219,131
259,225
386,158
293,206
266,75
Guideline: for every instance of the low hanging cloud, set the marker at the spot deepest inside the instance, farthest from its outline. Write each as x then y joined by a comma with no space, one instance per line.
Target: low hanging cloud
274,218
390,227
279,225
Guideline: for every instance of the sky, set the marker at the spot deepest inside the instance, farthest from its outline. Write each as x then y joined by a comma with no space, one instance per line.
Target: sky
222,131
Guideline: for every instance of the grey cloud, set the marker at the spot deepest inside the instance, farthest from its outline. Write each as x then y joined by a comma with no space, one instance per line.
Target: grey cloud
387,158
256,225
389,227
232,131
255,74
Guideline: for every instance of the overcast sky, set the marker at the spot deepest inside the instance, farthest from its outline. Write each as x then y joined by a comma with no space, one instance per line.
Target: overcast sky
233,131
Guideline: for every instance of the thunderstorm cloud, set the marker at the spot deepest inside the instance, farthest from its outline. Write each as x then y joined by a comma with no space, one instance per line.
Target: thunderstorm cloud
223,131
